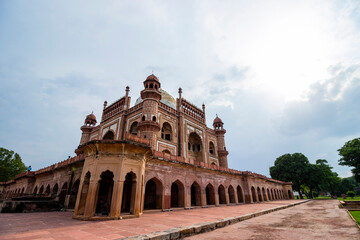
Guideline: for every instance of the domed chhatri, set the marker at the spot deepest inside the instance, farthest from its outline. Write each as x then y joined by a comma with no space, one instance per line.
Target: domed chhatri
218,120
152,77
90,120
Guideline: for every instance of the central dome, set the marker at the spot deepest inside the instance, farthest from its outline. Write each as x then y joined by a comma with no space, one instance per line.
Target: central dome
166,98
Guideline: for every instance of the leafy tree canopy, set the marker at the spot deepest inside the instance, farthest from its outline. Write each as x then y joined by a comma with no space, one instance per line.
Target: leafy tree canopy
350,156
10,165
293,168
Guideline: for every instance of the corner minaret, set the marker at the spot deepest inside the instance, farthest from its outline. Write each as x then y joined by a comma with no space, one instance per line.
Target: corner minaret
220,132
89,124
151,95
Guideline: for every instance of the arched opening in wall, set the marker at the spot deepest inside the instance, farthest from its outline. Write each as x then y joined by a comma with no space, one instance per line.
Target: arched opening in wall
166,151
62,194
195,147
259,194
47,191
177,194
105,191
143,118
154,119
211,148
269,195
134,128
213,164
109,136
153,194
151,85
195,194
231,193
210,194
73,194
22,191
156,86
129,192
253,194
35,190
41,190
240,194
55,190
264,195
222,196
289,194
166,131
84,193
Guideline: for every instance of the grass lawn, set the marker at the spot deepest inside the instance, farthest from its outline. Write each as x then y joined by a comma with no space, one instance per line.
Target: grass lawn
356,215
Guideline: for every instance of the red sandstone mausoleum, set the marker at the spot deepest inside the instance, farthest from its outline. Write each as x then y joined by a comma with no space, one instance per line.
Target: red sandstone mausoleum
158,154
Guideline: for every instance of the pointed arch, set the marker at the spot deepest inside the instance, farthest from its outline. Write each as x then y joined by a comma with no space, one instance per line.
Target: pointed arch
210,194
264,194
134,128
240,194
153,194
47,191
231,193
166,131
222,196
84,193
177,194
195,194
109,135
129,193
41,190
35,190
55,190
253,194
104,197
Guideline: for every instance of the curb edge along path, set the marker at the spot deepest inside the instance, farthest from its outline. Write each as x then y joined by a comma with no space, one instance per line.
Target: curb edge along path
182,232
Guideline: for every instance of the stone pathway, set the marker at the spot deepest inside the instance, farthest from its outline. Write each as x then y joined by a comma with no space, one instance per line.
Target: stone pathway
319,219
60,225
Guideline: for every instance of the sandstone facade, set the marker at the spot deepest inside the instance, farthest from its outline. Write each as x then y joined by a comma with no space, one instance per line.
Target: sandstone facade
158,154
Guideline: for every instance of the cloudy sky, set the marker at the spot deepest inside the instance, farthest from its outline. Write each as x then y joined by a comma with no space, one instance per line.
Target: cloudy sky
284,76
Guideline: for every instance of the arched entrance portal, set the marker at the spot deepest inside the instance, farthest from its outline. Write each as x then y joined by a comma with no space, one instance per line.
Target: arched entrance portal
264,195
231,193
84,192
106,184
128,198
62,194
195,194
253,194
240,194
153,194
221,192
259,195
73,194
55,191
210,194
195,147
177,194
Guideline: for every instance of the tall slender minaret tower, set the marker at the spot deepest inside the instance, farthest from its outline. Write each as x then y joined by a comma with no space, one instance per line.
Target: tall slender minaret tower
220,132
151,95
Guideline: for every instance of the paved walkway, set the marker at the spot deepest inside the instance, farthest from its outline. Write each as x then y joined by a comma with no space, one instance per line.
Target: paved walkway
311,220
60,225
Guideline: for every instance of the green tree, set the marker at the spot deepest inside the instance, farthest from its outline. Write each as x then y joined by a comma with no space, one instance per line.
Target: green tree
10,165
350,156
328,180
291,168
